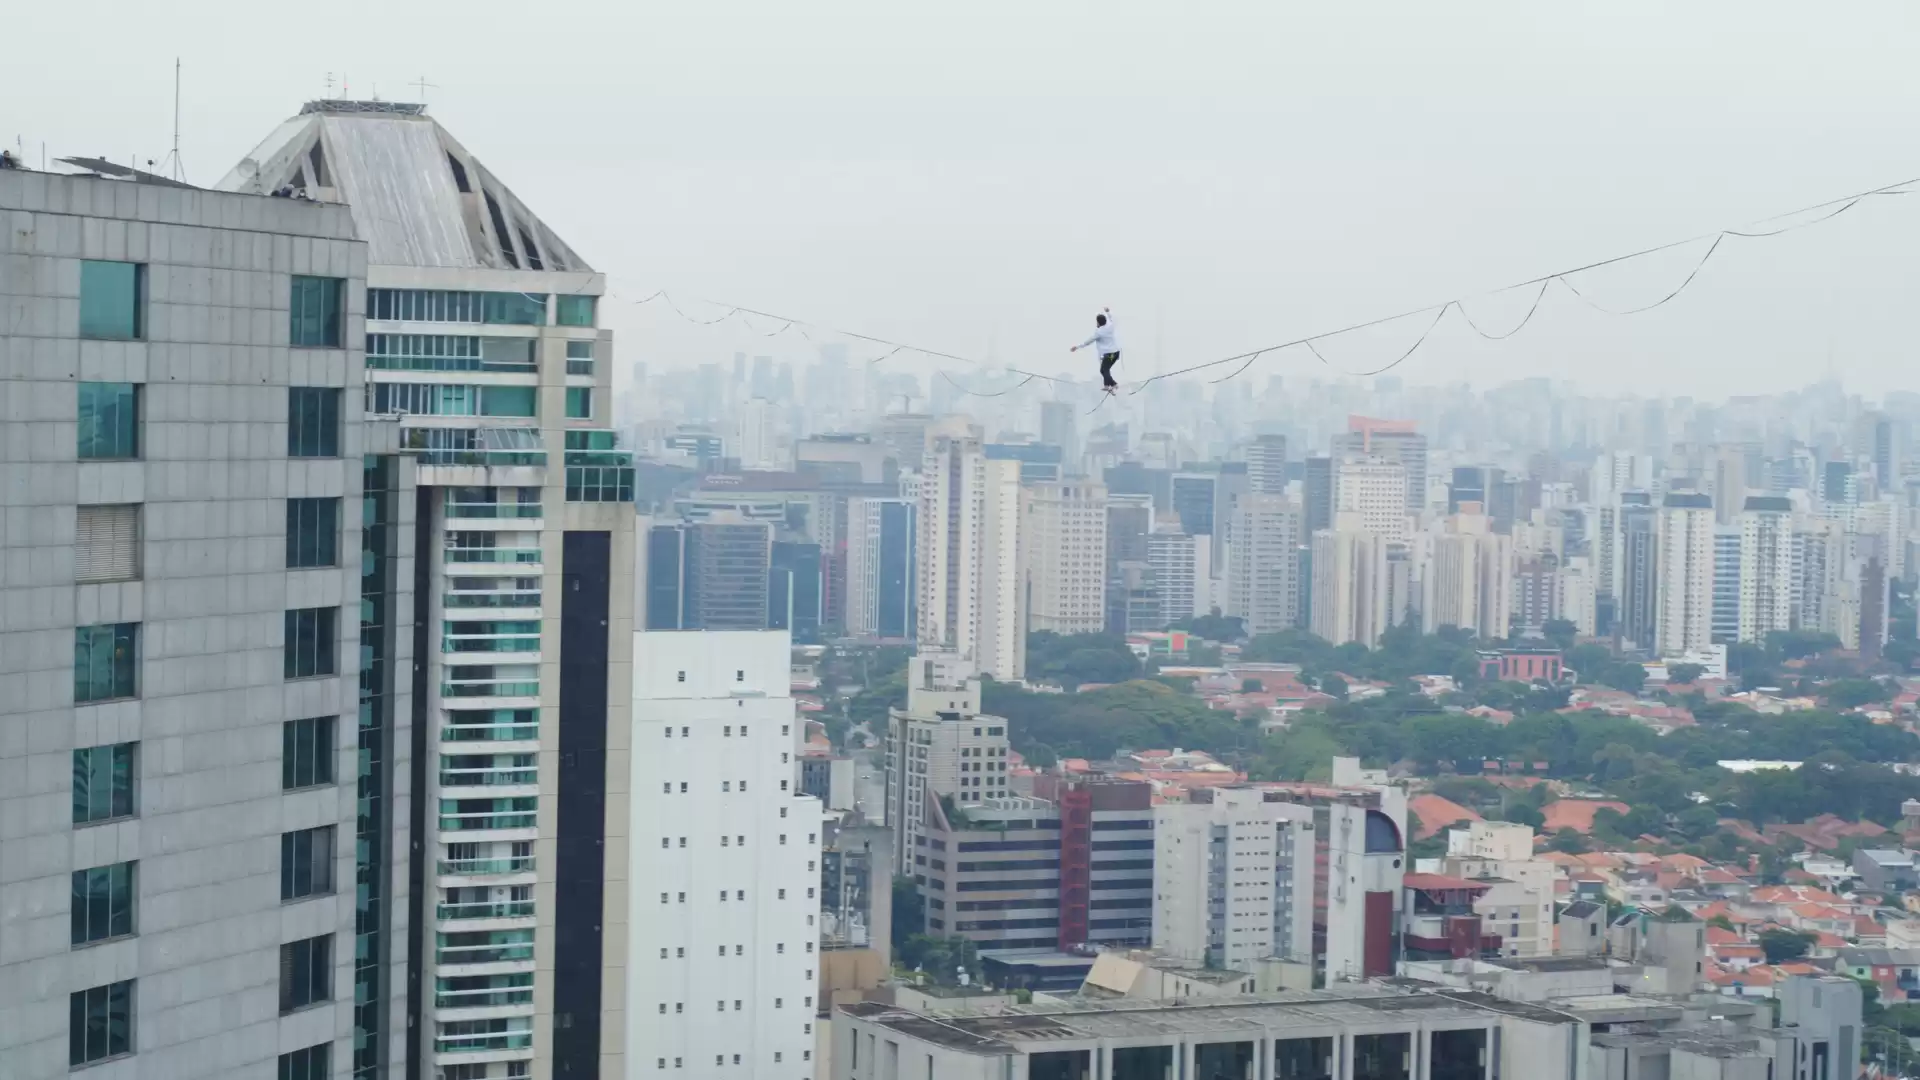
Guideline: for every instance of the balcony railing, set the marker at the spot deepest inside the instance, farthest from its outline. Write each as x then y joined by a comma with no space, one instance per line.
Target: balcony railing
506,909
493,510
489,777
490,733
490,689
487,822
493,600
521,864
516,556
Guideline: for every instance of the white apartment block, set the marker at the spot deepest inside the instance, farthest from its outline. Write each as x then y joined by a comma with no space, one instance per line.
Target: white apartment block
1064,547
1683,608
482,337
724,863
972,599
1263,564
1349,583
1233,879
940,744
1182,573
205,711
759,439
1520,907
1375,489
1766,567
1469,581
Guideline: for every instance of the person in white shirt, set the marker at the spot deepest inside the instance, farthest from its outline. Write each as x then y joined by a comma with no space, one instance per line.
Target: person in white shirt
1109,346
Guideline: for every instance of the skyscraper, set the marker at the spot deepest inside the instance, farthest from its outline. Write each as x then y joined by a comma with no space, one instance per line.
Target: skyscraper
1766,567
1267,465
881,549
1233,880
482,334
1350,586
722,857
1057,427
205,844
1179,565
971,595
1390,440
1065,534
1469,581
1263,563
1195,501
1374,489
1727,615
1684,603
1317,490
1639,577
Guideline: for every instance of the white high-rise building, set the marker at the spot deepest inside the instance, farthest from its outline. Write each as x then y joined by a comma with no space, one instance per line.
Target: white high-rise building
1064,526
1578,594
1683,608
1766,567
940,745
881,584
1349,583
1469,582
1233,878
1180,573
1818,558
482,335
1263,563
1375,489
972,595
758,439
723,861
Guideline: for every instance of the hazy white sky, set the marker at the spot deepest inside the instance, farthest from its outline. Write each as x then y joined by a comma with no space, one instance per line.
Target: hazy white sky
1226,175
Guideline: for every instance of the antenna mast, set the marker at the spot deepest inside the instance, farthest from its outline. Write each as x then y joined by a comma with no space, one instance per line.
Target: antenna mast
173,156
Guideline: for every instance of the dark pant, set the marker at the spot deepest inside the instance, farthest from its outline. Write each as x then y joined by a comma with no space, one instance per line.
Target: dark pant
1107,360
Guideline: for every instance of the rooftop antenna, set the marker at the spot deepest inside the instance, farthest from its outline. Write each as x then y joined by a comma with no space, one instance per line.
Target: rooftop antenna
423,86
329,84
173,156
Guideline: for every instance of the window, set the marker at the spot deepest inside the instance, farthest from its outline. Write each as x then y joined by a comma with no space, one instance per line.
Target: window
102,903
306,973
313,1063
314,312
579,403
100,1025
113,298
579,357
102,783
106,543
306,863
574,311
313,533
514,308
109,421
306,752
104,662
313,422
311,644
508,401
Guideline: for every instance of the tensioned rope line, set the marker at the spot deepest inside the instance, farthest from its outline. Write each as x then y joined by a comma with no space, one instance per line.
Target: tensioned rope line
1246,360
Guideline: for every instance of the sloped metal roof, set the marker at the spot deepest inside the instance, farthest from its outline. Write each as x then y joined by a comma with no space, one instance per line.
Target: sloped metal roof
418,198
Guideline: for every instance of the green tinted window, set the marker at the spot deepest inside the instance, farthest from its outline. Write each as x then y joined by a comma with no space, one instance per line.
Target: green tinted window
109,415
112,296
514,309
579,403
314,312
574,311
508,401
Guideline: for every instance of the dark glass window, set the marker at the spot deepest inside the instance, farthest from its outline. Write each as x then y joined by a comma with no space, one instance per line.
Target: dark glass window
306,752
103,783
101,1023
313,1063
306,863
104,662
313,421
574,311
112,300
306,972
103,903
312,646
314,310
109,415
579,403
313,533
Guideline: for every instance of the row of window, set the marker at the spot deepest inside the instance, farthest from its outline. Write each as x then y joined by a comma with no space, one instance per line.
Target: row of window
113,305
104,786
108,421
739,894
726,730
107,539
721,1059
496,308
106,657
100,1019
738,1005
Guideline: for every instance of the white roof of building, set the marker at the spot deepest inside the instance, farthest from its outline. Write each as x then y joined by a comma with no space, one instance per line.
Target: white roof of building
418,197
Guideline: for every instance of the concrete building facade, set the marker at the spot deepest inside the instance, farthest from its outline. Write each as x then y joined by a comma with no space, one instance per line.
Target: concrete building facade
724,856
940,744
1263,563
1233,878
1684,601
1766,567
483,338
972,599
205,723
1064,531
